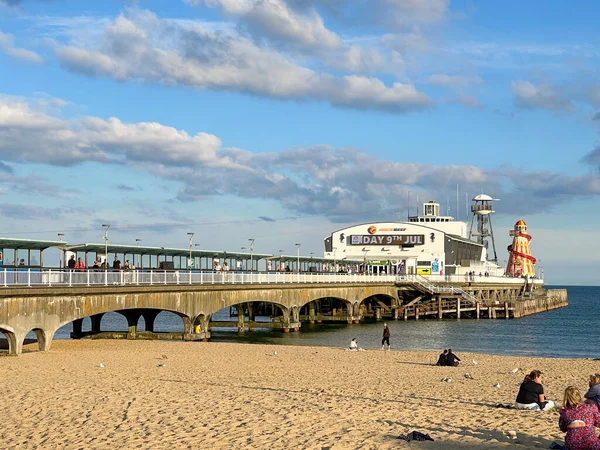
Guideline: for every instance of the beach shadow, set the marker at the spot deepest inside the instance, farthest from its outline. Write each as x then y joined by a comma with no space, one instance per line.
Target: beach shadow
481,434
412,363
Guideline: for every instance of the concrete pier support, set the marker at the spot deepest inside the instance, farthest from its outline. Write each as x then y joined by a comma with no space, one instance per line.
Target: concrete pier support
77,332
149,316
133,317
240,321
506,313
477,310
96,320
458,308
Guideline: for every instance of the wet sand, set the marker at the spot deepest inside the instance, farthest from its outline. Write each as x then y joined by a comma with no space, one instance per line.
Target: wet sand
159,395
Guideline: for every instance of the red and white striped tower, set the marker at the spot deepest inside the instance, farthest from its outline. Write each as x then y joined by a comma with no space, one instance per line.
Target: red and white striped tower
520,261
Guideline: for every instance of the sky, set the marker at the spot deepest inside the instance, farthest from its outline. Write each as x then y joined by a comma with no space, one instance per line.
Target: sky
284,120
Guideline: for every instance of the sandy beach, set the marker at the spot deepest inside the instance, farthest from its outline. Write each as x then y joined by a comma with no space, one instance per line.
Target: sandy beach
217,395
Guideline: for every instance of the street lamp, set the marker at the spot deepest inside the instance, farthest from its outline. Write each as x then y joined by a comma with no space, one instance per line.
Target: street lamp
60,262
137,242
298,263
280,255
107,226
190,263
251,251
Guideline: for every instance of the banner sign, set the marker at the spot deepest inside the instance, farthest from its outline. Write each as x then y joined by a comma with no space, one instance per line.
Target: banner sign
386,239
1,260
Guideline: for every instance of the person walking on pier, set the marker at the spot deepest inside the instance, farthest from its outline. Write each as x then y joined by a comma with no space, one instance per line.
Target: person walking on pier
386,337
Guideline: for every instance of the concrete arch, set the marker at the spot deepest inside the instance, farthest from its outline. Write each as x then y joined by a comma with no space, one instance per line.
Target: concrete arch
375,304
11,338
44,338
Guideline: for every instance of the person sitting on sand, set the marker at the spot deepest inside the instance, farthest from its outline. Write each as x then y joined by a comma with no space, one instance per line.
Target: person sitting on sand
353,345
442,359
452,359
578,419
592,396
531,393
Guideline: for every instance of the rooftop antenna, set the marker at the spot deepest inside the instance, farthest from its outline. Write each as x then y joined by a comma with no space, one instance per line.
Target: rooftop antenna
408,206
467,205
417,205
447,205
457,211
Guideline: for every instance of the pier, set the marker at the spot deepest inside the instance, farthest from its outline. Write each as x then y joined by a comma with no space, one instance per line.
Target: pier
51,300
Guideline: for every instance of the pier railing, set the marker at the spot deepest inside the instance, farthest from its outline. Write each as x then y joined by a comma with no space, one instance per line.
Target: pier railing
434,284
436,288
54,277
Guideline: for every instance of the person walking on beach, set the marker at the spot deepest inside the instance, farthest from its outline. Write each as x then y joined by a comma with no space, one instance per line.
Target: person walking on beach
386,337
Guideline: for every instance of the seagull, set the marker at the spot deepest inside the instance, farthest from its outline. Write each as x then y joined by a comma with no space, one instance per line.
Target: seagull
497,385
447,380
468,376
474,362
101,366
275,353
161,365
515,370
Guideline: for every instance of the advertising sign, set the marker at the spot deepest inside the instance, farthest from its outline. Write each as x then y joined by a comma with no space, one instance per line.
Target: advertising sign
386,239
423,271
1,258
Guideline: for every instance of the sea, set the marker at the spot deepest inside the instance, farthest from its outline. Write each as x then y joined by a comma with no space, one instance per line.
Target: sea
572,332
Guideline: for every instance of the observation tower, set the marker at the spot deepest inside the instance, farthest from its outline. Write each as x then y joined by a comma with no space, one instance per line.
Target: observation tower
481,212
520,261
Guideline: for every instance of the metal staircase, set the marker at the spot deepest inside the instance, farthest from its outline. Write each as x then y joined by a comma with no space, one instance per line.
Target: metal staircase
436,288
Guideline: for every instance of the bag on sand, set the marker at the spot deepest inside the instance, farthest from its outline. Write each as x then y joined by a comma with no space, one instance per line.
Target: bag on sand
416,436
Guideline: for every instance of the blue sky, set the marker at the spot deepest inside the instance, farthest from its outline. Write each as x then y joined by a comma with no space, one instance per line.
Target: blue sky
163,117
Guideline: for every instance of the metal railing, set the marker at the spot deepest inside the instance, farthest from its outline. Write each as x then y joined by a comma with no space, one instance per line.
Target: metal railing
436,288
55,277
434,284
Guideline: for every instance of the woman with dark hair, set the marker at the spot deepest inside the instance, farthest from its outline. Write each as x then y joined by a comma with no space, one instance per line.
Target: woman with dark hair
578,420
531,393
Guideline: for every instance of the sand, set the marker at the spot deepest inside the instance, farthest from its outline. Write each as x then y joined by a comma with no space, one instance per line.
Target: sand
163,395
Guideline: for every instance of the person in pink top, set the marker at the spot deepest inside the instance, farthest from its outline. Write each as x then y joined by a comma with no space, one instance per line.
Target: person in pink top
79,265
578,420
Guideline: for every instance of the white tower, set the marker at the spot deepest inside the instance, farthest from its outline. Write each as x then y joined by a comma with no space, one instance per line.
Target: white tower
482,210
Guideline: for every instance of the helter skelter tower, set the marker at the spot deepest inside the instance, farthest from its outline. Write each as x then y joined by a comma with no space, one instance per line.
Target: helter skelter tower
481,211
520,261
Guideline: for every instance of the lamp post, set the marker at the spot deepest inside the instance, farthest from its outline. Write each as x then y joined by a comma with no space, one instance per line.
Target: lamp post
137,242
60,259
190,263
107,226
280,255
251,251
334,260
298,261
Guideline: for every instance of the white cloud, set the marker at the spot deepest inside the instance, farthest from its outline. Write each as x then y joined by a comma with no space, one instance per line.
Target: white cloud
337,183
7,46
530,96
142,47
453,80
275,20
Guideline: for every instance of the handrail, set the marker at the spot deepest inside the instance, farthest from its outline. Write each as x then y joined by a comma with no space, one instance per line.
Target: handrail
52,278
435,288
